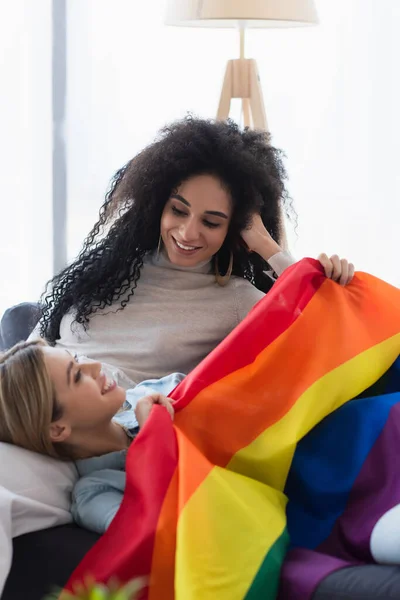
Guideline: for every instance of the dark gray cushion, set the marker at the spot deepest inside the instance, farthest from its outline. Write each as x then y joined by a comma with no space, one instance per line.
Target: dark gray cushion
367,582
17,323
45,559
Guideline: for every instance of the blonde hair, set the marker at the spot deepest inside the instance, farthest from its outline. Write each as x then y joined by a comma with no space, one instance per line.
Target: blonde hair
28,403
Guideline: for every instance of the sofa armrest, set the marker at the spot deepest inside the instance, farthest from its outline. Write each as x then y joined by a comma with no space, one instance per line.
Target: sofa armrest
17,323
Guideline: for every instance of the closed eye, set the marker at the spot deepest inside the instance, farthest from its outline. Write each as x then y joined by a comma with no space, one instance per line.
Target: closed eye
177,212
211,225
78,374
181,213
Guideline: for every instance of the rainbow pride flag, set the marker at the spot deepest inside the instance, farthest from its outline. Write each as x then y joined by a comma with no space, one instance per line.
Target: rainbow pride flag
205,513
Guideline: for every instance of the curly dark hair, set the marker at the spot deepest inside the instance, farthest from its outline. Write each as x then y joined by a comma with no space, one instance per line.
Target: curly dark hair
108,267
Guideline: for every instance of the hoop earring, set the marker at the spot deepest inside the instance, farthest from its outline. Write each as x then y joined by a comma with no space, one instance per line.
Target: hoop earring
159,246
223,280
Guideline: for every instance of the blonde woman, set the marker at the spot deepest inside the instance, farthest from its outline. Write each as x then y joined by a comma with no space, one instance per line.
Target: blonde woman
52,404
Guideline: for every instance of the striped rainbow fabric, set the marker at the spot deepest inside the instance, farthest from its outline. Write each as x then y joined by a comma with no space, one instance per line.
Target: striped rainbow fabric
204,511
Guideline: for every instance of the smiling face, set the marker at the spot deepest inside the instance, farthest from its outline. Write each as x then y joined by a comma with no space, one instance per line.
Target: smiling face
87,399
195,220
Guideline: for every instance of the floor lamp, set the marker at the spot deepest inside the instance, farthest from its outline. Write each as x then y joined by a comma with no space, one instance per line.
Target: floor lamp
241,76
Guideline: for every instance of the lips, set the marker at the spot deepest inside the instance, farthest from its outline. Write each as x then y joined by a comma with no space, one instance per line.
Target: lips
185,248
108,386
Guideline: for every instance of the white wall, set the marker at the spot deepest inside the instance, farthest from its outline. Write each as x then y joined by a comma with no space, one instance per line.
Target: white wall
25,150
331,94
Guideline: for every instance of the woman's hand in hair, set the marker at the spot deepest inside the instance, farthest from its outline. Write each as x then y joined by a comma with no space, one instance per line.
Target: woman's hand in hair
337,269
257,239
144,406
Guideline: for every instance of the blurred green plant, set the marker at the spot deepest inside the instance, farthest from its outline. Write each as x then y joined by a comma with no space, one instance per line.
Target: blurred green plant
100,591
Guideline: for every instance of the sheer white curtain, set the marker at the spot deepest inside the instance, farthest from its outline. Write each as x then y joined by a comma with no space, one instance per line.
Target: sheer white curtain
25,149
331,92
129,75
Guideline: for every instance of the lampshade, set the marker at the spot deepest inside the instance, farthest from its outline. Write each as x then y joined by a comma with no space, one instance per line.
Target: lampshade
251,13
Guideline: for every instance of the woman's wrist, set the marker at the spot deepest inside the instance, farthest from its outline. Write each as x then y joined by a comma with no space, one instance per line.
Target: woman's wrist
267,248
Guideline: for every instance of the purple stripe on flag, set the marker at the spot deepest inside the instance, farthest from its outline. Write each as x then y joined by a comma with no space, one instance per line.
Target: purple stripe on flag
303,570
375,491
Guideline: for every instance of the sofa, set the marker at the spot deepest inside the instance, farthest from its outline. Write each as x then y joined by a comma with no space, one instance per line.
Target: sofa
45,559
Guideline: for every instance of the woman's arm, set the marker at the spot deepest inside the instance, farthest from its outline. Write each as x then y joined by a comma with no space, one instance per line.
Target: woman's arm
280,261
96,499
260,241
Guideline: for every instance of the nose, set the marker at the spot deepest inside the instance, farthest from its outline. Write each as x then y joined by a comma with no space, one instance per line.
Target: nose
189,230
92,368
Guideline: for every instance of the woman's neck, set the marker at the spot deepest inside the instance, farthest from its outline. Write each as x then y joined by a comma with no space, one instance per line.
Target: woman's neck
110,438
160,259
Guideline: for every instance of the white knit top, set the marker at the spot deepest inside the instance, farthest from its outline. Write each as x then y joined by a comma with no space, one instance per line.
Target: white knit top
176,316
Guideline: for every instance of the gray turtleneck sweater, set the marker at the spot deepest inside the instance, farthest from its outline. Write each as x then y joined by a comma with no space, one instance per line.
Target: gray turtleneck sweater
174,319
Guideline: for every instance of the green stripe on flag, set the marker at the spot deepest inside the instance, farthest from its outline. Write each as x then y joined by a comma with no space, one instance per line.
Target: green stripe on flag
266,582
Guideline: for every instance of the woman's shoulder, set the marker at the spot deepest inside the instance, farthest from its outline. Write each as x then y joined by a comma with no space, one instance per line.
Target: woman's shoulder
114,461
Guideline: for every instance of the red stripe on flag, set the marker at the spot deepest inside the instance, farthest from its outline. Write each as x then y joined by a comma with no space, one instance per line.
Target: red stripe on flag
151,463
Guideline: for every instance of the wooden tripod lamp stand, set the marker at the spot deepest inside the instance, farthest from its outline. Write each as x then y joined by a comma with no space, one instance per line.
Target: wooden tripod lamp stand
241,75
243,81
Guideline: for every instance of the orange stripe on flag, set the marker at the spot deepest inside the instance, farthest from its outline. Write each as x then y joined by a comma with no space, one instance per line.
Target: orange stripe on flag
194,468
163,561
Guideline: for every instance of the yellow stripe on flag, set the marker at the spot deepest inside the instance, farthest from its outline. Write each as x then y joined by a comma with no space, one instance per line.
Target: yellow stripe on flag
224,532
269,456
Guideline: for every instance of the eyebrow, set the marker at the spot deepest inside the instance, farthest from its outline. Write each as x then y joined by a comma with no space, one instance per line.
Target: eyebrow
69,369
215,213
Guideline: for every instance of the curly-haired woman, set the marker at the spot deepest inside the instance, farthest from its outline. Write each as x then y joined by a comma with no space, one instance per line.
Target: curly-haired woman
180,253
